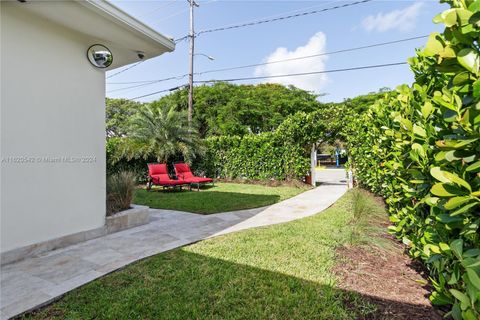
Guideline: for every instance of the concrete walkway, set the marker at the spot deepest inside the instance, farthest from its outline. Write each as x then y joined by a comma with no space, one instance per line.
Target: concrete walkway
36,281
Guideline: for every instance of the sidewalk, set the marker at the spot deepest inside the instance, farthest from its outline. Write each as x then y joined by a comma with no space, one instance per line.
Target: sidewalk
36,281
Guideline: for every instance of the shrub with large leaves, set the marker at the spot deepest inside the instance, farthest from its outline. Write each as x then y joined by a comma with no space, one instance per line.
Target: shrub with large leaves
420,149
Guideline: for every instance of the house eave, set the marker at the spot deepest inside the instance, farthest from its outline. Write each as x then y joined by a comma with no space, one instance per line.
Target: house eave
101,22
124,18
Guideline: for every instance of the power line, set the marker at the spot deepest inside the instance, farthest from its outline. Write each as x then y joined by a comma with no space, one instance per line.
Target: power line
301,14
143,84
122,71
271,16
130,82
305,73
281,14
313,55
277,76
157,92
150,82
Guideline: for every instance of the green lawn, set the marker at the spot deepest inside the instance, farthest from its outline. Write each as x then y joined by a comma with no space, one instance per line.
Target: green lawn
220,198
278,272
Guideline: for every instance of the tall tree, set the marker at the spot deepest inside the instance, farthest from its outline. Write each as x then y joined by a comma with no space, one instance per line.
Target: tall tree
117,113
230,109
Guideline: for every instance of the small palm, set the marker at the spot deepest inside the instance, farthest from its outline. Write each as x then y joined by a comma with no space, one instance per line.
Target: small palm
161,132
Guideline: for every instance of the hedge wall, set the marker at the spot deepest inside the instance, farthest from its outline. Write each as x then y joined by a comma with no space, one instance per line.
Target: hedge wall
283,154
257,157
421,151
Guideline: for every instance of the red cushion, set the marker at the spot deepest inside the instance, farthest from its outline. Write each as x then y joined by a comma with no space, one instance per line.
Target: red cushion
197,180
157,168
159,174
182,170
164,180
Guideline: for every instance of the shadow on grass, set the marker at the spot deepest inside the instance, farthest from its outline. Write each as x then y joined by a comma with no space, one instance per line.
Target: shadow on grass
185,188
204,203
185,285
330,183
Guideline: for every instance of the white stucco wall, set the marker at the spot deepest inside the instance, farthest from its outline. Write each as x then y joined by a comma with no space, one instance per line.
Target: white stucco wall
52,106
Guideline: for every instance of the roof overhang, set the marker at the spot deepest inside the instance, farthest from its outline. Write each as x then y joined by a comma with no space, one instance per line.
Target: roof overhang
105,24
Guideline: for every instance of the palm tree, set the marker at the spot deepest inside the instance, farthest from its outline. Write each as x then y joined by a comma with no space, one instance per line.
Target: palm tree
162,132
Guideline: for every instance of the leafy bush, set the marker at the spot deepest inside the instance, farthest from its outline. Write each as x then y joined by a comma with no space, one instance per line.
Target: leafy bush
255,157
283,154
120,189
117,114
421,151
117,164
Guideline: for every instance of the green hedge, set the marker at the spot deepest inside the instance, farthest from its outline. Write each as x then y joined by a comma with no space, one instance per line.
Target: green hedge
283,154
116,165
421,151
257,157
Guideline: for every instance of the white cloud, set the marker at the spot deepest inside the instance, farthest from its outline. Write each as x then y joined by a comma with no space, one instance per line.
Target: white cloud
315,45
403,20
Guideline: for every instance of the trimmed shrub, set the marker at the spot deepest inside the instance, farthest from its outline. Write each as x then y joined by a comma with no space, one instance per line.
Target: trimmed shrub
283,154
421,151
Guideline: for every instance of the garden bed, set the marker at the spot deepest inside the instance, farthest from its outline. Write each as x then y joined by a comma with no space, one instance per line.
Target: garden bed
379,269
395,284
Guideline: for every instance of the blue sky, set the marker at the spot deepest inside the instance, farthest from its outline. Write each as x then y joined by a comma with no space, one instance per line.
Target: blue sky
363,24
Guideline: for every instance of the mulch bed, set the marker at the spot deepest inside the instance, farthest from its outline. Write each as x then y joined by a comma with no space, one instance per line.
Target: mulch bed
387,278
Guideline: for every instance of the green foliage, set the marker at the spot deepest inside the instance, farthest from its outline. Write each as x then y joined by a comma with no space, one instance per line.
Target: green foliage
258,157
420,149
264,113
336,117
361,103
116,163
137,133
230,109
117,113
161,132
283,154
120,187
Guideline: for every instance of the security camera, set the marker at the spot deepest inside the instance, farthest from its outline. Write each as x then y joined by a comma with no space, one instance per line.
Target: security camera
140,55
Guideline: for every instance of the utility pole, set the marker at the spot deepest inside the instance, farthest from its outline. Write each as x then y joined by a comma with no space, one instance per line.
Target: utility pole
192,53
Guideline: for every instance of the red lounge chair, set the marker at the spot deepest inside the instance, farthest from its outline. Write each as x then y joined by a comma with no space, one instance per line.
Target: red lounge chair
183,172
158,175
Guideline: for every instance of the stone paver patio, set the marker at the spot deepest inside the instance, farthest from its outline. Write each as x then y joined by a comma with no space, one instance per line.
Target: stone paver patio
36,281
